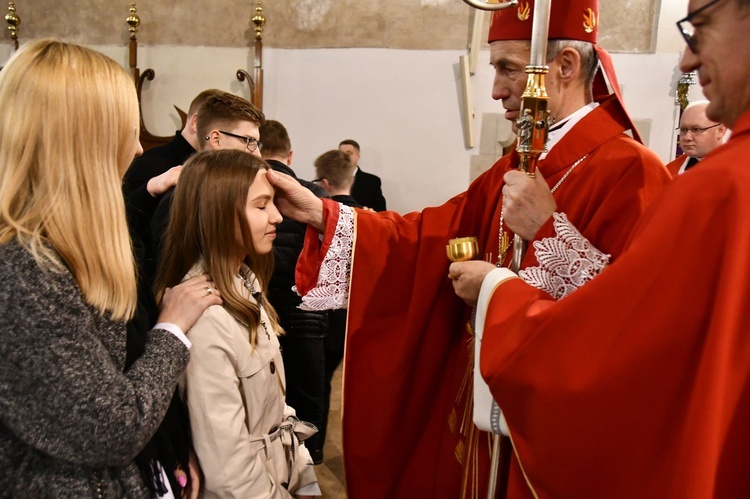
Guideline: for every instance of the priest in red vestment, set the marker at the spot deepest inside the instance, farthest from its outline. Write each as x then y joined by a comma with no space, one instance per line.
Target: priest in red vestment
698,137
637,384
407,422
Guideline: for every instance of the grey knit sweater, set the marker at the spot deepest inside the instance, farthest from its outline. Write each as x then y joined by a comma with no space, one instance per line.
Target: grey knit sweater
71,422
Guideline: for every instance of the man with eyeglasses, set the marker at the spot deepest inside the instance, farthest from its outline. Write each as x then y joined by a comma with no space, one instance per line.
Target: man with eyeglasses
698,137
637,384
225,121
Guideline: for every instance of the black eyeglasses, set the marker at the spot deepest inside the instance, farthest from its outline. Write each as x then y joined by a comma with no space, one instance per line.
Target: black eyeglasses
687,30
250,142
695,130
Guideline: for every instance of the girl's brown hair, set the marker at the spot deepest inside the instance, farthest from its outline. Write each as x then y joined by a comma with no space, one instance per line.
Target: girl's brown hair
207,223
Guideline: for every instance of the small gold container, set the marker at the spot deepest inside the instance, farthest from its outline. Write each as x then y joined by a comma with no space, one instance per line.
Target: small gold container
462,249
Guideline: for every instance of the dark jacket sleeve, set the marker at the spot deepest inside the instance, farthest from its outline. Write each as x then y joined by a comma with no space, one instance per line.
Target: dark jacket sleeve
368,191
140,206
159,225
378,203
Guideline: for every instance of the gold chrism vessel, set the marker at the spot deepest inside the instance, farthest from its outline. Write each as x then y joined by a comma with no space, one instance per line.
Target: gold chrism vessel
462,249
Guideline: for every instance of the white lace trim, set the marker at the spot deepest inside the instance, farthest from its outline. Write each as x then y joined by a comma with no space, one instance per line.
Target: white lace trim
332,290
566,261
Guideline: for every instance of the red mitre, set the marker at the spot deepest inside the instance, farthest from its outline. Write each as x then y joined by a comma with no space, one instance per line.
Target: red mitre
570,20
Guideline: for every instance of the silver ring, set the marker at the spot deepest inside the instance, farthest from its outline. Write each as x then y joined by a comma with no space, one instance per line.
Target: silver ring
209,291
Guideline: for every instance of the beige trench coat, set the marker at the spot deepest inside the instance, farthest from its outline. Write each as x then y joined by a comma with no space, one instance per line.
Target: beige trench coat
235,398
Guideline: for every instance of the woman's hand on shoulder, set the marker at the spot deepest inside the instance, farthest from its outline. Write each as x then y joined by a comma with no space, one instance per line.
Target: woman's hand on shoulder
184,304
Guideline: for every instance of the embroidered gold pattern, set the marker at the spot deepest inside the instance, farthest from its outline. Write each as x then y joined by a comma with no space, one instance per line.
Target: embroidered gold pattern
524,11
459,451
589,20
504,244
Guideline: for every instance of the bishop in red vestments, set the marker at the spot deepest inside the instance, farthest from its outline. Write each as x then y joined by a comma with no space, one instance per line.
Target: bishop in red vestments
407,347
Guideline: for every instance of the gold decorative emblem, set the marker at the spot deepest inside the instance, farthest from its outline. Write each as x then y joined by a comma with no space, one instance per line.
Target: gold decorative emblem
589,20
504,245
524,11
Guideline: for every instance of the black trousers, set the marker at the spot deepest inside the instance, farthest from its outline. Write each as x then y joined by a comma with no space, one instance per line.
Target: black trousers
334,354
304,363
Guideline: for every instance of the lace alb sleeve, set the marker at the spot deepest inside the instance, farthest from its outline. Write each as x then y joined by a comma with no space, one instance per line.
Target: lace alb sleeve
332,289
566,261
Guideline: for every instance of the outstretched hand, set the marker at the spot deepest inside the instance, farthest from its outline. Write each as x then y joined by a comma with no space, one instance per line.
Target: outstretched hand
468,277
295,201
527,203
184,304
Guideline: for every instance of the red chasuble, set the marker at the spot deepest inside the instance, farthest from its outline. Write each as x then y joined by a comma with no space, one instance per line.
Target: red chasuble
636,385
407,346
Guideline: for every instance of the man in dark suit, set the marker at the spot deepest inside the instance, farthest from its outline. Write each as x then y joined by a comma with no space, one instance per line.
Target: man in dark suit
367,187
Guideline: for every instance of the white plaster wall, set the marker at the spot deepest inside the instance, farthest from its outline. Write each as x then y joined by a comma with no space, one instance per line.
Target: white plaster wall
670,12
402,106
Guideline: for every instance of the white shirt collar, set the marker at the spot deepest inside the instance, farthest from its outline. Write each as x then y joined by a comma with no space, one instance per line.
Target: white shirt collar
556,135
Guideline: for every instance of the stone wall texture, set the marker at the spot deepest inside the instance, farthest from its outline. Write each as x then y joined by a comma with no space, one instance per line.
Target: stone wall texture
625,26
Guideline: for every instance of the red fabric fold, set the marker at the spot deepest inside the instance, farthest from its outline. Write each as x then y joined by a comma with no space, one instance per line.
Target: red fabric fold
605,84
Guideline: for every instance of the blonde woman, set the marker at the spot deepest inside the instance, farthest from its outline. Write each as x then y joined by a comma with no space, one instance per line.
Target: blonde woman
248,441
71,421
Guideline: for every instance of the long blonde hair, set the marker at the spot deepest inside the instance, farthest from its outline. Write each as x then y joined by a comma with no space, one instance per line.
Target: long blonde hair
207,213
68,127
